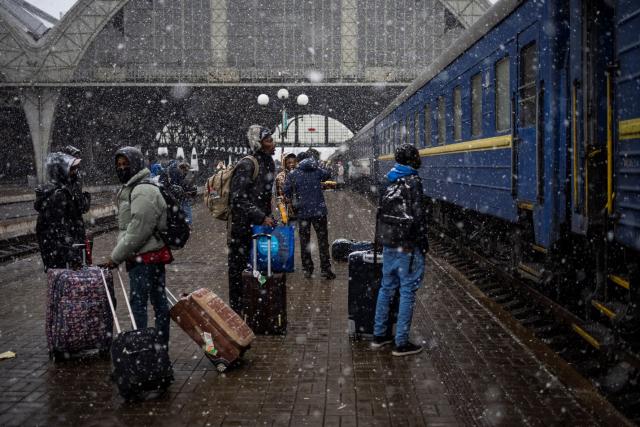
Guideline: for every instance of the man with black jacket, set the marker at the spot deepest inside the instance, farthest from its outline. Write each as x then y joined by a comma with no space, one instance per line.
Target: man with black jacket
402,229
60,225
250,199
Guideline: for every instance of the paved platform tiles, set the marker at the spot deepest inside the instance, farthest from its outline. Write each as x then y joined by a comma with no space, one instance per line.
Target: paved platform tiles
473,373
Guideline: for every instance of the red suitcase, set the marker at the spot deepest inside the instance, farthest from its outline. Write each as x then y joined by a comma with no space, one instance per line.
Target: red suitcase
213,325
264,298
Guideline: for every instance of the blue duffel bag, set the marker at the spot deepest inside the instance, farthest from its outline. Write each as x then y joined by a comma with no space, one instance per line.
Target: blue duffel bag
282,248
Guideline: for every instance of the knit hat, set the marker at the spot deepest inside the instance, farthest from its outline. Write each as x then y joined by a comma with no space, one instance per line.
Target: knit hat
255,135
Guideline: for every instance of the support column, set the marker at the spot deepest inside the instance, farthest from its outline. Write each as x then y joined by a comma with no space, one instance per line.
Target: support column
349,38
220,69
40,106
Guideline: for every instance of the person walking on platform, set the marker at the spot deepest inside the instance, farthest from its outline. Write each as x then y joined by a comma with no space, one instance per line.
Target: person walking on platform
60,204
403,233
142,211
250,198
304,183
284,203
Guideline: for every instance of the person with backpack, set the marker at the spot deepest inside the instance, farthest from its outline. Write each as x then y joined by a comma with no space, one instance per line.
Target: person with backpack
142,223
303,187
250,197
284,204
402,230
60,204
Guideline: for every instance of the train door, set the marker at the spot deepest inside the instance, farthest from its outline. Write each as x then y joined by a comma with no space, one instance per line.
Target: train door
591,47
526,115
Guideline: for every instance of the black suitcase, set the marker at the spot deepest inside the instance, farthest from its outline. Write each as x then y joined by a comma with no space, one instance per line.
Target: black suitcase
365,274
264,305
141,361
341,248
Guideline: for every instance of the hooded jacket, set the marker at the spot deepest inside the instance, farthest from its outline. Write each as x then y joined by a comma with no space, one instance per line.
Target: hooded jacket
138,221
59,224
410,231
305,182
249,199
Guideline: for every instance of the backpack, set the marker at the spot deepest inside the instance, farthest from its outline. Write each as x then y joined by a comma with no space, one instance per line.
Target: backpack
178,230
395,207
216,195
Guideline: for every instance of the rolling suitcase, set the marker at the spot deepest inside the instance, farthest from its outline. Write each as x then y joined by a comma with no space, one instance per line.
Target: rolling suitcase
78,320
365,274
213,325
140,359
264,298
341,248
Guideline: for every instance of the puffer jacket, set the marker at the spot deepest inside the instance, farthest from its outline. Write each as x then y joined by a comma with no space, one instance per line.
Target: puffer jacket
59,225
250,200
305,181
139,221
406,227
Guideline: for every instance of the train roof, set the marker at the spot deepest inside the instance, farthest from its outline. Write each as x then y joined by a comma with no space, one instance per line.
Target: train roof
490,19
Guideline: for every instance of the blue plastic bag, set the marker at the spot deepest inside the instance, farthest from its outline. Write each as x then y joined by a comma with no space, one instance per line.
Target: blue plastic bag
282,248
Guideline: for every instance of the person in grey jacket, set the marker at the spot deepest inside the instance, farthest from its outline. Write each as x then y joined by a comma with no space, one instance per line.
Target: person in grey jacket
142,212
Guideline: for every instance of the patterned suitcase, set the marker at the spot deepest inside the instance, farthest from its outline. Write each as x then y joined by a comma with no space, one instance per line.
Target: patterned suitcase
202,312
264,298
78,317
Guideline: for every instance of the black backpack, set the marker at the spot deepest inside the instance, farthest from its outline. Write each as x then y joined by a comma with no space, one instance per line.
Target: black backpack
396,206
178,230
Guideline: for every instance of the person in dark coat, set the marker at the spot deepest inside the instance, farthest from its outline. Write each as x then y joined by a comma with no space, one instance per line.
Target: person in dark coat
250,204
304,185
60,206
402,229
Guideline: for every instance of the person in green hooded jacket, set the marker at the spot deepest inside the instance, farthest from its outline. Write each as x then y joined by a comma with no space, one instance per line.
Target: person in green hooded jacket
142,213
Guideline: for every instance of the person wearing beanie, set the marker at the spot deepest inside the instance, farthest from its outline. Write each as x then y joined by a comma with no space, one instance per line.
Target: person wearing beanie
402,230
249,204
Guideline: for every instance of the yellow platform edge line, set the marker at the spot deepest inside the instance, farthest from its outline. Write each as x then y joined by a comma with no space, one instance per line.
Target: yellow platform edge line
619,281
493,143
603,309
588,338
629,129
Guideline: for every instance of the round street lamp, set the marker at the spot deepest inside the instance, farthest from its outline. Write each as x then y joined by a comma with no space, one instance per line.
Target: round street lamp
283,95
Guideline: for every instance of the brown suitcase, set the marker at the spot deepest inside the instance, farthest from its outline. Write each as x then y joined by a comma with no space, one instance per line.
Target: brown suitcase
264,304
203,312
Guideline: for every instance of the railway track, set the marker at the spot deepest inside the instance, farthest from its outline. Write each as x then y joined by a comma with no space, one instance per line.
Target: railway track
550,330
17,247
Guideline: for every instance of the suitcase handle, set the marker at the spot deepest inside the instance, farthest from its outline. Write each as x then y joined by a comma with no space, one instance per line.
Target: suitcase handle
124,291
171,298
113,310
255,238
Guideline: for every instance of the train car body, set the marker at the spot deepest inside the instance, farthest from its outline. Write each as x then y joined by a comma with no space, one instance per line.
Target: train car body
529,133
627,153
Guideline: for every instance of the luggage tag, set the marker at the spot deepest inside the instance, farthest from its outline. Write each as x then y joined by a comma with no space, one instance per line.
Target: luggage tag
260,277
208,346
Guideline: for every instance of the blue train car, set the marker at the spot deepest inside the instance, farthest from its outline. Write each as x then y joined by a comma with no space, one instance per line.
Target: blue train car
627,153
529,132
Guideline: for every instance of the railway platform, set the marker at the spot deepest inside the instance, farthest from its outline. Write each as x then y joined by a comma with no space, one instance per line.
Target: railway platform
474,371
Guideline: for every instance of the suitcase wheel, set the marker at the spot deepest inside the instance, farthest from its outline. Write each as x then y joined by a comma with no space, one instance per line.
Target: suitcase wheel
221,366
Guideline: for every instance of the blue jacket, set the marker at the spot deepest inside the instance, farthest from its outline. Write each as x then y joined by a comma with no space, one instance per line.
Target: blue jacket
306,179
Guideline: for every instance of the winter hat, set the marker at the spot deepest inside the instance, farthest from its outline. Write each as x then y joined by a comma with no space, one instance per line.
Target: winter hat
255,135
407,154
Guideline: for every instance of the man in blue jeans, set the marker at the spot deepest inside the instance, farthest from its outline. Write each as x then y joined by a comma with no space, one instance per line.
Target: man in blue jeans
141,212
402,229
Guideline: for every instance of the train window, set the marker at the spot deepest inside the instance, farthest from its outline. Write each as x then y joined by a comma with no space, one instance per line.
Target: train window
442,123
457,114
476,105
427,125
416,128
503,113
527,89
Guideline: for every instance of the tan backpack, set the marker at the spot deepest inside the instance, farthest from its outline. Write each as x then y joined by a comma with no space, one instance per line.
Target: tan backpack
216,195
